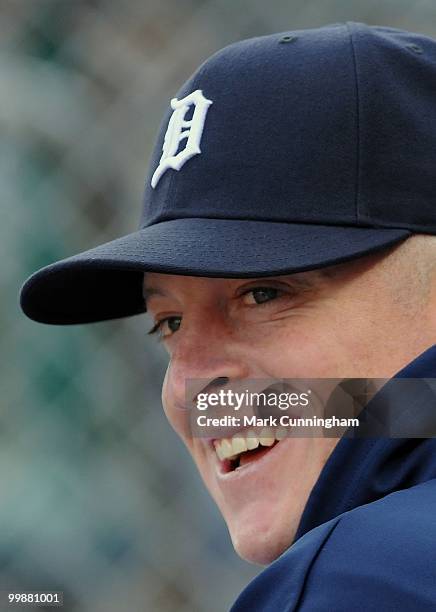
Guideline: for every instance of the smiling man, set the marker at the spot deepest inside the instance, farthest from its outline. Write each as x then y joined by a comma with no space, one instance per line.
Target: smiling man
367,318
288,232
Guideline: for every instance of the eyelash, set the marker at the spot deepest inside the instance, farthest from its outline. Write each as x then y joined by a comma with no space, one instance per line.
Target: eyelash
158,325
257,288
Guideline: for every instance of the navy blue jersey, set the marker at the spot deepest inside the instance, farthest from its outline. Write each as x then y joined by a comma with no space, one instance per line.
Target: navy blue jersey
367,537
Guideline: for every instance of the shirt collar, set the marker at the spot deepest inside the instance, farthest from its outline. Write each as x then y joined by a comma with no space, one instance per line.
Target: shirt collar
362,470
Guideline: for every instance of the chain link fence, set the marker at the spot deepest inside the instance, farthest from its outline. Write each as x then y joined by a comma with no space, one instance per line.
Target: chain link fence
99,497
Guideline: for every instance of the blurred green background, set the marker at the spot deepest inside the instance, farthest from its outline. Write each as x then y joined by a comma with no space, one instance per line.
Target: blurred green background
99,498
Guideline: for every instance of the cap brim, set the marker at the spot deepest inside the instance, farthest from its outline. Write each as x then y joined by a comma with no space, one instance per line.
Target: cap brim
106,282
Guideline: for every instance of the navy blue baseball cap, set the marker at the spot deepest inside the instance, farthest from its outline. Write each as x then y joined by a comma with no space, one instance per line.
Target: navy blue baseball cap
280,154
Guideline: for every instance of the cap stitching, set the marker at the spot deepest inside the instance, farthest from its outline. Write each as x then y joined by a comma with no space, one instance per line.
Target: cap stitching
357,184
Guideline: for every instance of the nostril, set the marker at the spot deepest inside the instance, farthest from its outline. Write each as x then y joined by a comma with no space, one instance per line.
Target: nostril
216,383
208,389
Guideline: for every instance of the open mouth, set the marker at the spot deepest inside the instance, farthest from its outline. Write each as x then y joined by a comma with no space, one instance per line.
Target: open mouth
244,448
249,456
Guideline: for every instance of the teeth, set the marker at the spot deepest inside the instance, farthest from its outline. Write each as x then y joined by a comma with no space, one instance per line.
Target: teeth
281,433
239,444
219,452
230,448
252,440
226,448
266,437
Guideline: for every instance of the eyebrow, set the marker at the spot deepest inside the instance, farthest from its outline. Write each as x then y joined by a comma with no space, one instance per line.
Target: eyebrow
301,280
148,292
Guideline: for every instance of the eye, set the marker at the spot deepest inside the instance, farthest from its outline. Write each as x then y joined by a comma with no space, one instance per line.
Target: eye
166,326
260,295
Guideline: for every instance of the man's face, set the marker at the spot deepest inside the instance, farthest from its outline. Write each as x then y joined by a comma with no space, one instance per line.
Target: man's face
307,325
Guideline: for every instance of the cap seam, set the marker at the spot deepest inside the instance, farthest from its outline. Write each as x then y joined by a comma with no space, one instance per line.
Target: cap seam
324,222
357,180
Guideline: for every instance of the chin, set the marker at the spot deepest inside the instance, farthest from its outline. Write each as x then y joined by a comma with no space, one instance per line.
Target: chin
261,544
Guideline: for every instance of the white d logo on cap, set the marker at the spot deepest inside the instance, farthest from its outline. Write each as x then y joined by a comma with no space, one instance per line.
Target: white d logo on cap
176,132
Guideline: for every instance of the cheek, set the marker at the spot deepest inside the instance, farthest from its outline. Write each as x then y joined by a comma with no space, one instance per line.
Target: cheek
180,421
308,348
329,342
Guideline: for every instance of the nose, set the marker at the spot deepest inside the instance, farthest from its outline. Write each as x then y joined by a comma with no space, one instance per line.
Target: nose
202,362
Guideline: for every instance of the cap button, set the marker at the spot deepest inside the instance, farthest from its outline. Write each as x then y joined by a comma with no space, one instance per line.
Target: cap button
414,48
287,39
